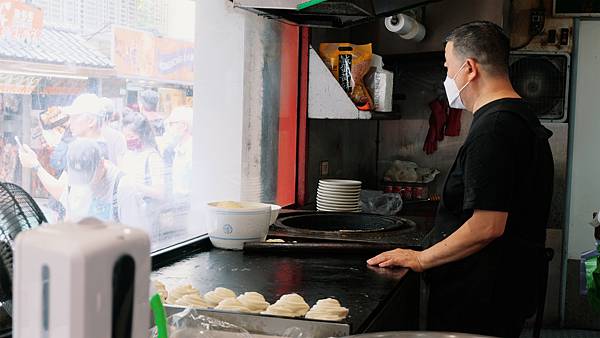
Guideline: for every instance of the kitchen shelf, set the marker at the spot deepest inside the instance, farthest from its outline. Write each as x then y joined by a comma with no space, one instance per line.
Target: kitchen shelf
327,99
385,116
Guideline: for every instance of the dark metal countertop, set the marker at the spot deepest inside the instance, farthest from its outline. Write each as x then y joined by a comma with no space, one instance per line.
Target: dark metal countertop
362,289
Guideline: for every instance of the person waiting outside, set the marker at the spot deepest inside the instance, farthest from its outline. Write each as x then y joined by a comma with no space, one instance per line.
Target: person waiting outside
96,188
177,146
86,119
144,165
142,161
111,130
148,104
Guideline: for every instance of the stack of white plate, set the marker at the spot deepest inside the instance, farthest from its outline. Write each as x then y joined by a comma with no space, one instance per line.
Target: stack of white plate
338,195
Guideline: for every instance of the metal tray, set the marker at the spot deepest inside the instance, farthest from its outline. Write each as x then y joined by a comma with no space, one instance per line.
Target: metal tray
272,325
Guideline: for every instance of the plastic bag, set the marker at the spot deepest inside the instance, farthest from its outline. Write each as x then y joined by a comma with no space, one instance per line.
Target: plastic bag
406,171
189,323
377,202
349,64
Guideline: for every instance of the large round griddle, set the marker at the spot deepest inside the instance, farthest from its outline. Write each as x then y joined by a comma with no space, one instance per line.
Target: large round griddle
343,222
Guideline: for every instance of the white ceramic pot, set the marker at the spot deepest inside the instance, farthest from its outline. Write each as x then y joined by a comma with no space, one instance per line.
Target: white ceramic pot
231,224
275,209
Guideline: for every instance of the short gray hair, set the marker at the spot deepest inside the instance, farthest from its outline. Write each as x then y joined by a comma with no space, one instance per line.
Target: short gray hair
149,99
483,41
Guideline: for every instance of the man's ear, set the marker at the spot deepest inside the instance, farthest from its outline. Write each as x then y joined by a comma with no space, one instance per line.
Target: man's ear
473,69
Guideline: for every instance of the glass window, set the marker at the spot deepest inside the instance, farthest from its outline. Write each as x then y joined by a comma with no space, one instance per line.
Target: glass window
104,113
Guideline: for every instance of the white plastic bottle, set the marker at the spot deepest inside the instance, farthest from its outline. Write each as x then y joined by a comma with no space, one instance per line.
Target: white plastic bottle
380,83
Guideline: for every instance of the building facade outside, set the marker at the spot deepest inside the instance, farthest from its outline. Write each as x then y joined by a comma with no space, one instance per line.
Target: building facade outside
94,17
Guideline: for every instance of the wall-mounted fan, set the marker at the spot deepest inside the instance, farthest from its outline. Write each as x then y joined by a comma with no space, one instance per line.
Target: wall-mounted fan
542,79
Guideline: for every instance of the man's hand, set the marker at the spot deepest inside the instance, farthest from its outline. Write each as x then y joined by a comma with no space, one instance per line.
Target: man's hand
28,157
398,258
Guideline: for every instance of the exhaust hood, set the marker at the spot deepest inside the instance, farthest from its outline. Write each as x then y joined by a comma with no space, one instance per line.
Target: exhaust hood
328,13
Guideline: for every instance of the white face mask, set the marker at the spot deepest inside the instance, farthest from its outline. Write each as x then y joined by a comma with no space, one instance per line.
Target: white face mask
452,91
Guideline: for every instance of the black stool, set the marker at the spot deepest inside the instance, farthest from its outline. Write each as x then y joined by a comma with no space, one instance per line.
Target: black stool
539,317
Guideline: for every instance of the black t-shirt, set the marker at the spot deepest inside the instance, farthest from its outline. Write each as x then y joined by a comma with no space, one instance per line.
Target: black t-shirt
506,165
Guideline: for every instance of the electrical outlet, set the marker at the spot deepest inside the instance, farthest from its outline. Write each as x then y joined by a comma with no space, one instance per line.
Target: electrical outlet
549,39
564,36
551,36
536,21
324,168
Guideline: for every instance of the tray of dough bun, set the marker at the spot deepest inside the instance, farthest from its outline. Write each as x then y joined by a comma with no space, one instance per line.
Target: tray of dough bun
250,310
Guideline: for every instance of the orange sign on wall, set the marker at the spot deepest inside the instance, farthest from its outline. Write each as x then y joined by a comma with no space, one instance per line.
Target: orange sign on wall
18,84
20,21
174,60
141,54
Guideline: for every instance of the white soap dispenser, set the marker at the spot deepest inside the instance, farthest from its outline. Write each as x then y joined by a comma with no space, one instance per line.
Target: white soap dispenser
81,280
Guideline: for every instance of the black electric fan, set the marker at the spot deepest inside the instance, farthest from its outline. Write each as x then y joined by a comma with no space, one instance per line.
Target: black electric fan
542,80
18,212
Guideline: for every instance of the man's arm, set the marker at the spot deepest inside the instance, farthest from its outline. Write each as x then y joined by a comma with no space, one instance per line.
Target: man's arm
475,234
55,187
490,169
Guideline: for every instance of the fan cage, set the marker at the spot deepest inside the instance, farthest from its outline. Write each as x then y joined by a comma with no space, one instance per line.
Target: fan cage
18,211
553,104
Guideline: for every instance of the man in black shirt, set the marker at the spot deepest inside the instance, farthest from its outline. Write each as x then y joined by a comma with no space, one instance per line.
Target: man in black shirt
484,256
148,103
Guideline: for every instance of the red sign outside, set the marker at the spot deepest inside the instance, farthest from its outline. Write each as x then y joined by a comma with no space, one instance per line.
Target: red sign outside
20,21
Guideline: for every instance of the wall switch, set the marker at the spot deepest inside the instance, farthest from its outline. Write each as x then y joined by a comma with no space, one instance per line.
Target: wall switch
536,21
324,168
